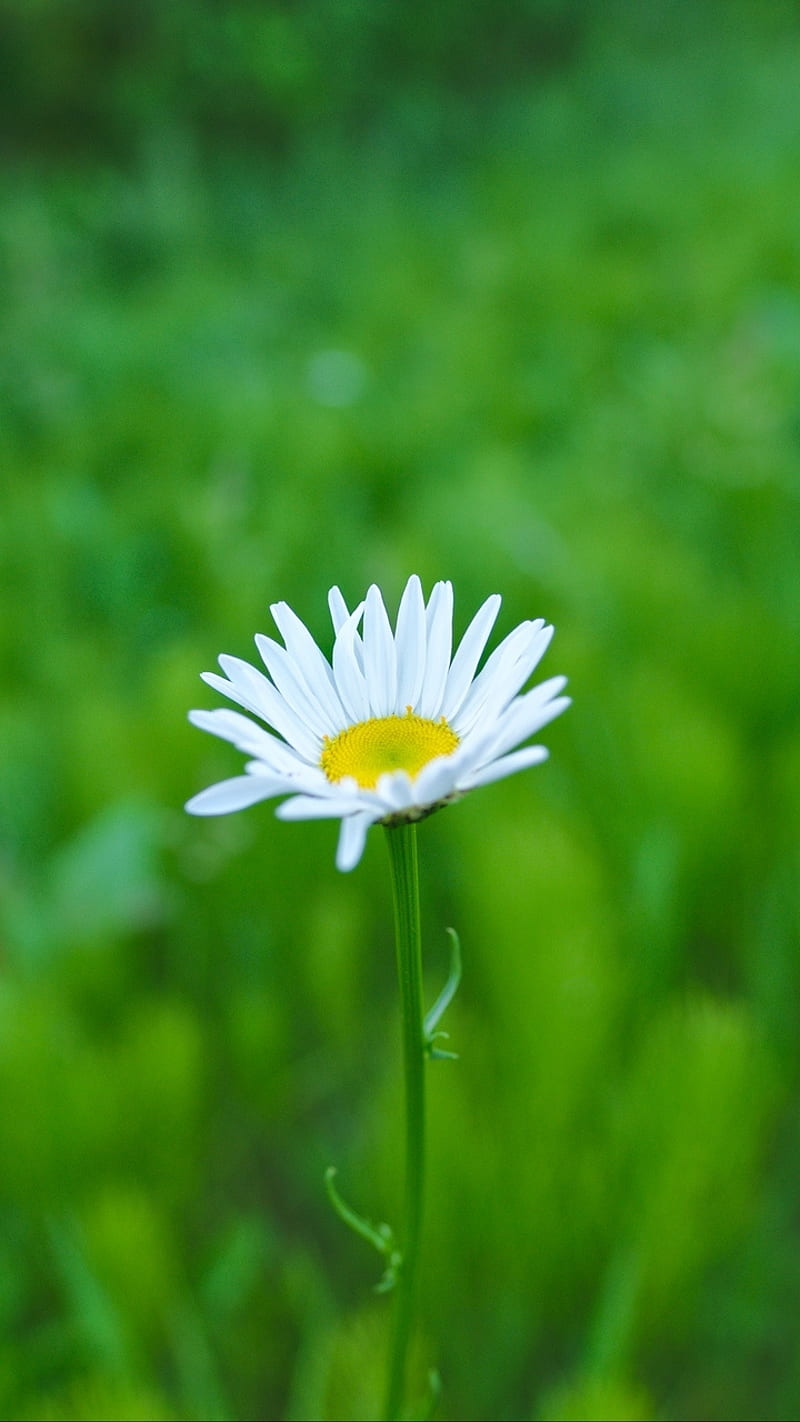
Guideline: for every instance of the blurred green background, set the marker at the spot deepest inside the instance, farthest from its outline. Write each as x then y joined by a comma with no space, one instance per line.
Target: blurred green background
333,291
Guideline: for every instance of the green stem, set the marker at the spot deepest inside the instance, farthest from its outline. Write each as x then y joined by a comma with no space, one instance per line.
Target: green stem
405,884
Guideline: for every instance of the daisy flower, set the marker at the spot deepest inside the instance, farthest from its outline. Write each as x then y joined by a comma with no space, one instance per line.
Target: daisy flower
393,727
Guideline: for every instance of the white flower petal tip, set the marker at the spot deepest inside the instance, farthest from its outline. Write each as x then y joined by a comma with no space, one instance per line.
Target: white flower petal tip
228,795
389,728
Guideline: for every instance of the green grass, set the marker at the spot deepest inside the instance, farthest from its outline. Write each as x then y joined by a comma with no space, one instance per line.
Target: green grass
571,337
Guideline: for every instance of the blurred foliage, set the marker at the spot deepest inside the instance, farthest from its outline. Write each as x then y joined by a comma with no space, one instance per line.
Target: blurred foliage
330,291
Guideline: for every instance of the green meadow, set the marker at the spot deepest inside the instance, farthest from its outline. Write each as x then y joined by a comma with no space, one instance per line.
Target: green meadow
331,292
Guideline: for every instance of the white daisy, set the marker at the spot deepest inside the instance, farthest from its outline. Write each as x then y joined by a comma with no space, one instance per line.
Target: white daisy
393,727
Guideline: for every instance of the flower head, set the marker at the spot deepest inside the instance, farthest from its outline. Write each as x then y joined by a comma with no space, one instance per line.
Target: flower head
393,727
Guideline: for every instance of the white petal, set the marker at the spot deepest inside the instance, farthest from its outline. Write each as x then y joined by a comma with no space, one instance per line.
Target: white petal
308,659
251,688
380,670
519,721
437,779
340,615
546,689
469,654
257,691
350,683
305,778
524,717
394,791
237,794
247,736
410,644
270,706
439,620
248,680
506,765
313,807
507,669
232,692
352,837
338,609
290,683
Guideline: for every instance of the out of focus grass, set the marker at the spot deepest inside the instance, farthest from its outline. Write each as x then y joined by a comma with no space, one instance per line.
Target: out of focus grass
535,328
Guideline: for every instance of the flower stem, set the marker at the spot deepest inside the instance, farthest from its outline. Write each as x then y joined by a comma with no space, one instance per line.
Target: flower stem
405,885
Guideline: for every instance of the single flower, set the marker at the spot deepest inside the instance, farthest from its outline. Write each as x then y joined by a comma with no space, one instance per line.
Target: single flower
393,727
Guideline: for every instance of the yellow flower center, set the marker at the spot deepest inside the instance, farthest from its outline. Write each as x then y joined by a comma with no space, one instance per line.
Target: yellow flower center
371,748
